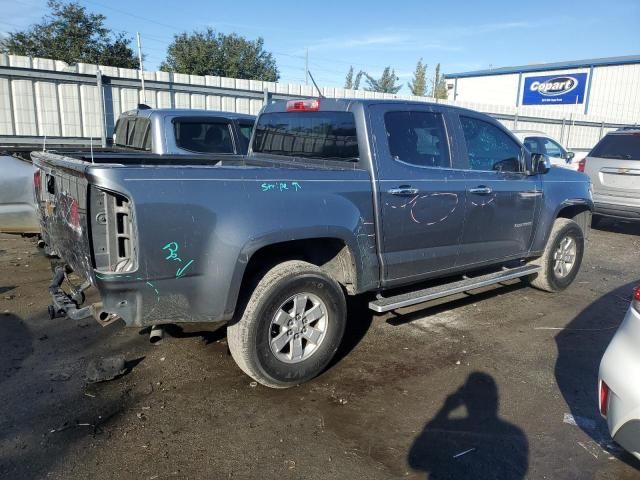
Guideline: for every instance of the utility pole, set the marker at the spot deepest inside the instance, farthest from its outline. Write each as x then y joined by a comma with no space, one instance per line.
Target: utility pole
306,66
144,95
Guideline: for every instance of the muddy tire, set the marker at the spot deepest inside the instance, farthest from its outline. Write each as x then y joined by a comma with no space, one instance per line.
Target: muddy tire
291,326
562,257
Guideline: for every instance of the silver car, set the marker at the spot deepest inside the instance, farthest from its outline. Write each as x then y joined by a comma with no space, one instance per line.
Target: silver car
618,381
614,169
539,142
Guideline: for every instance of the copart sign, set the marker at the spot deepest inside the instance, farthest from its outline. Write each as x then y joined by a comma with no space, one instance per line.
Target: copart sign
554,89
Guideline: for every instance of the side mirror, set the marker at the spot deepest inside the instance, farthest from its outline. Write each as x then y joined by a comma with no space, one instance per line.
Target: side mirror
540,163
569,156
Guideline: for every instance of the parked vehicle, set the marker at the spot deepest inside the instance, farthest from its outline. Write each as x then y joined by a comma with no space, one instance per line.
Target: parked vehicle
179,132
614,169
159,131
618,386
18,213
539,142
335,198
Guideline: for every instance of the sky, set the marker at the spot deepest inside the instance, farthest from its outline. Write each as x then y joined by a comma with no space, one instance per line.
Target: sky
370,35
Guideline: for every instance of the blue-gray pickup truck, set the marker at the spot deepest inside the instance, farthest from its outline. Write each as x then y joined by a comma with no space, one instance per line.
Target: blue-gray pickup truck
406,201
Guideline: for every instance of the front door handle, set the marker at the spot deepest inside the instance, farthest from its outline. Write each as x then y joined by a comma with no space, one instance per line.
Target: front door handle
481,190
404,190
531,193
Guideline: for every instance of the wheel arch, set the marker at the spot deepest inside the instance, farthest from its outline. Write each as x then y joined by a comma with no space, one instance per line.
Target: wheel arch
338,257
578,210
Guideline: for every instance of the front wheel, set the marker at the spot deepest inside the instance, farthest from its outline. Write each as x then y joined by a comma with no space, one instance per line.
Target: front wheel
291,326
562,257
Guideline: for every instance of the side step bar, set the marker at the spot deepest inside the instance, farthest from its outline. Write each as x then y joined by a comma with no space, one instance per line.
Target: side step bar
385,304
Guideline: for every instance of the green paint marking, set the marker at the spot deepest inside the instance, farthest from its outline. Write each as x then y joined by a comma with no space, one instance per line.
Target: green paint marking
181,271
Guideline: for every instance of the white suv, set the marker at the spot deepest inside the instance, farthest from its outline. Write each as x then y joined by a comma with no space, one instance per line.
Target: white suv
538,142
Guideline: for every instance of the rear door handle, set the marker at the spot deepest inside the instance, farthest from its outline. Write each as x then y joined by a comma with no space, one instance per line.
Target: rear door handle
403,190
481,190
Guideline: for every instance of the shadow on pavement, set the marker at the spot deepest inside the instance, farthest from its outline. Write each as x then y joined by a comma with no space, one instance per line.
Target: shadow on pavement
16,345
208,335
616,226
477,446
358,323
45,411
6,289
581,345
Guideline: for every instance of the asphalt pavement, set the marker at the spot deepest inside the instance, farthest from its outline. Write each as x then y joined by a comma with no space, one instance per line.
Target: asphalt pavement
500,383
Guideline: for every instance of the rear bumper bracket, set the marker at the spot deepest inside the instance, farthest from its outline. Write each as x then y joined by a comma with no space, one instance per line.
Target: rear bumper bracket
63,304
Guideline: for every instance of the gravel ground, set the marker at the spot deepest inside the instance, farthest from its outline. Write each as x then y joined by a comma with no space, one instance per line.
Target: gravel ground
479,387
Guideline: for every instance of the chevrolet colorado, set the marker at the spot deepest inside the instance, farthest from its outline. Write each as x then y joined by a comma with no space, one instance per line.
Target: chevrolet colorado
408,201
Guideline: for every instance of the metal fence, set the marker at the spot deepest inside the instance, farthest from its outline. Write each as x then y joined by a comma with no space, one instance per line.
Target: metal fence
75,103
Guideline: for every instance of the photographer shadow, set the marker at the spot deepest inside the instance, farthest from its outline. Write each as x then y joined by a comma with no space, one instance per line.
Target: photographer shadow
479,445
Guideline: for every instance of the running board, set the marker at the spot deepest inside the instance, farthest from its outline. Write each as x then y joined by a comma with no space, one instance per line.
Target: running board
383,304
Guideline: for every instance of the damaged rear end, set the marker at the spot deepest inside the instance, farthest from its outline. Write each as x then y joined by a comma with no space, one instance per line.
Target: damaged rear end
90,228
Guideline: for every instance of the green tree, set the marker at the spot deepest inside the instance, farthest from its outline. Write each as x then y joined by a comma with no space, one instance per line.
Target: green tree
356,83
386,83
213,53
71,34
348,83
418,86
439,85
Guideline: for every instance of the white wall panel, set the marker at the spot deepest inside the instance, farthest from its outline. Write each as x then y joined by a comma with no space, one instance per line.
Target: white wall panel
242,105
69,98
90,101
183,100
198,101
614,97
128,99
24,108
163,99
214,102
47,109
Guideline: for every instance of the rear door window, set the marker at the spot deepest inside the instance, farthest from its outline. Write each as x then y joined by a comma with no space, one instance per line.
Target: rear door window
203,136
623,147
320,135
417,138
489,148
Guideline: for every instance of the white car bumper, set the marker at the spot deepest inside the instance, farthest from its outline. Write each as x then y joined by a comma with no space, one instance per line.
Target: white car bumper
620,370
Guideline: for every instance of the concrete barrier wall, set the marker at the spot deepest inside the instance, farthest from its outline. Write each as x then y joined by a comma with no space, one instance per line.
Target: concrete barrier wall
43,97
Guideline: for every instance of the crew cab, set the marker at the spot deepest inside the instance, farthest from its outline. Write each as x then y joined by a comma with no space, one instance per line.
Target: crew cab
404,201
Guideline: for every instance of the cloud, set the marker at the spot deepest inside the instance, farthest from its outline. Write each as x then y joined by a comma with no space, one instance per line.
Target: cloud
388,41
414,39
361,41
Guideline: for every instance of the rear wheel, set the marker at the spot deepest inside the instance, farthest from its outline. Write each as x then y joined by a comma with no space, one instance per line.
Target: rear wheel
291,326
562,257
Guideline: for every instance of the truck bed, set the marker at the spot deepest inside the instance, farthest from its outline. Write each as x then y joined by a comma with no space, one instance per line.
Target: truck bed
162,238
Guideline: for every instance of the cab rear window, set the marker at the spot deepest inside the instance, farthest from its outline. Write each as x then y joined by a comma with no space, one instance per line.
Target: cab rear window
619,146
203,136
319,135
